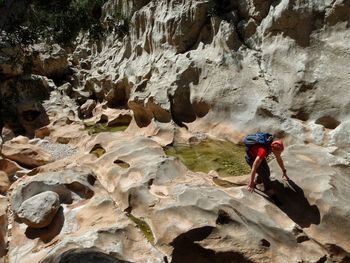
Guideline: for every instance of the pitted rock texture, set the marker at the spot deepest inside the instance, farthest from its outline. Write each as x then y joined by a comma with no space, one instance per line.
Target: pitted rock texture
185,69
235,66
87,226
178,203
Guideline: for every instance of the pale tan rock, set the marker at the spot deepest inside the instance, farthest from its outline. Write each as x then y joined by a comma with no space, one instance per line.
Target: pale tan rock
176,202
89,226
4,182
26,154
9,167
253,66
318,194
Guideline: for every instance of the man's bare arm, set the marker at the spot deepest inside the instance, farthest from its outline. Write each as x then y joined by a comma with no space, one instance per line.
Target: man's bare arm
281,165
255,166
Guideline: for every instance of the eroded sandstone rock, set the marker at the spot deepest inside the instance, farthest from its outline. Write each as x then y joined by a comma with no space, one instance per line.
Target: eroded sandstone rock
4,182
26,154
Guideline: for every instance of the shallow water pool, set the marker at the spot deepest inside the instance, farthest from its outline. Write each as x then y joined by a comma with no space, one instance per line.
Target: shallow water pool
224,157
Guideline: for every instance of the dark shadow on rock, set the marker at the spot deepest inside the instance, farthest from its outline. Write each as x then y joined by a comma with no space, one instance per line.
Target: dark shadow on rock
187,250
46,234
89,255
295,204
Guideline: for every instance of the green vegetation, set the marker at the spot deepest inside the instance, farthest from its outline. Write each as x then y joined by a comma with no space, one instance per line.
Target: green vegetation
102,127
143,226
57,21
218,7
224,157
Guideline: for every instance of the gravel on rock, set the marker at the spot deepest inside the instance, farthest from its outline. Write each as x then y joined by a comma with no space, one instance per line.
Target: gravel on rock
57,150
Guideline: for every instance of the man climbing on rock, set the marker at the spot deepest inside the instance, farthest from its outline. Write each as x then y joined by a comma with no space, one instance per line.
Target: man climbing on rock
258,147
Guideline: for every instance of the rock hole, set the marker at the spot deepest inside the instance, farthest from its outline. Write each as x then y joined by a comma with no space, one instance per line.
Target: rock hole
86,256
118,96
301,115
81,190
223,218
98,150
302,238
200,108
150,182
187,250
122,164
91,179
143,116
328,122
263,242
103,119
121,120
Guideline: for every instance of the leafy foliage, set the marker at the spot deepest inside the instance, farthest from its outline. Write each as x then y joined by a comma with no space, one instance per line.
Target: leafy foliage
54,21
217,7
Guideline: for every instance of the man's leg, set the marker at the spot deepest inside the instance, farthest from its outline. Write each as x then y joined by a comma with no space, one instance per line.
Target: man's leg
263,176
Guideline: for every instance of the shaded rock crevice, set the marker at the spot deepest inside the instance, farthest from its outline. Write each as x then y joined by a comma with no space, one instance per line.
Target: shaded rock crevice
187,249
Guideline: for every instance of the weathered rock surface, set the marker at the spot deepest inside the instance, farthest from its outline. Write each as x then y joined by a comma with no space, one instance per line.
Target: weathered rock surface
89,225
26,154
186,70
241,66
4,182
9,167
179,205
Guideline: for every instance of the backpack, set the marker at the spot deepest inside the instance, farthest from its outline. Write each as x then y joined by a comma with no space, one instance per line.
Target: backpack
262,138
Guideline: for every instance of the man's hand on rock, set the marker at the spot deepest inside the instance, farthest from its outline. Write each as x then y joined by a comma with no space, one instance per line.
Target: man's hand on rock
284,176
251,186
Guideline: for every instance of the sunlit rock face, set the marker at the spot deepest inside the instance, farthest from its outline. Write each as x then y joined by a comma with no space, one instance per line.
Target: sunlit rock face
247,65
96,185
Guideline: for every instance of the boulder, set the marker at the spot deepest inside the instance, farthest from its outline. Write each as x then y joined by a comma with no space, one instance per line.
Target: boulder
39,210
26,154
85,110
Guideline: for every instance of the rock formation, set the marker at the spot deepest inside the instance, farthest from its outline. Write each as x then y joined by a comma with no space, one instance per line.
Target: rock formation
84,176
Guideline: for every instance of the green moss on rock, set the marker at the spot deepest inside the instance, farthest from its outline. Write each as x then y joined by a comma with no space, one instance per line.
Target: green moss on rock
224,157
102,127
143,226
